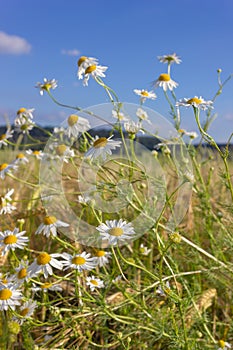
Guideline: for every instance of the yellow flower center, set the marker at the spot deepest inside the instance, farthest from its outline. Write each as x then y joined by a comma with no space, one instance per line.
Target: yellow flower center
221,343
11,239
116,231
3,166
22,273
164,77
101,142
24,312
46,285
194,100
49,220
144,93
94,282
181,131
47,86
5,294
100,253
81,60
170,58
2,137
43,259
73,118
60,150
20,156
21,110
36,153
78,260
90,69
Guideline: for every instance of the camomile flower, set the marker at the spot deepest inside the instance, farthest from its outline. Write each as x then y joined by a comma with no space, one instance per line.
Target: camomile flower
84,199
163,292
76,125
5,203
9,297
142,115
116,231
197,102
4,137
132,128
173,58
144,250
144,94
21,159
49,226
45,287
62,152
83,63
102,257
25,127
224,345
119,115
5,169
165,81
21,273
94,283
23,114
95,71
79,262
26,310
9,240
47,85
192,134
37,153
101,147
44,263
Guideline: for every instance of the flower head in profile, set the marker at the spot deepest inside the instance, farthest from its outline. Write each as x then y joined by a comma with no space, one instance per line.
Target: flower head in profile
173,58
10,240
44,263
224,345
26,310
144,95
5,203
37,153
144,250
9,297
197,102
94,283
120,116
47,85
142,115
94,71
116,231
79,262
4,137
5,169
21,273
102,257
21,159
45,287
83,63
76,125
163,291
49,226
101,147
132,127
165,81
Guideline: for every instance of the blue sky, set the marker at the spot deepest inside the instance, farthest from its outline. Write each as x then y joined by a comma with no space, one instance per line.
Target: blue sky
127,36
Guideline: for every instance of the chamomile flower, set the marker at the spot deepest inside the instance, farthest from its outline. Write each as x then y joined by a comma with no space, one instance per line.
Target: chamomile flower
21,159
165,81
79,262
102,147
4,137
120,116
37,153
10,240
94,283
192,134
116,231
173,58
132,128
21,273
26,310
83,63
76,125
5,169
144,94
144,250
23,115
49,226
102,257
45,287
9,297
197,102
224,345
44,263
94,71
25,127
163,292
142,115
5,203
84,199
47,85
63,153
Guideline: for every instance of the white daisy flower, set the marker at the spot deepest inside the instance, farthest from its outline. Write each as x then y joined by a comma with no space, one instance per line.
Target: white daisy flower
163,292
94,71
49,226
62,152
192,134
117,279
5,203
116,231
145,95
26,310
84,199
224,345
102,257
83,63
25,127
21,274
6,168
144,250
23,115
132,128
45,287
58,130
173,58
21,159
76,125
47,85
44,263
9,297
165,81
9,240
197,102
38,154
94,283
142,115
79,262
5,137
102,147
119,115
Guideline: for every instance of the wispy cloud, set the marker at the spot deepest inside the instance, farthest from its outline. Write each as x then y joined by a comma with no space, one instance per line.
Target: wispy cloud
13,44
73,52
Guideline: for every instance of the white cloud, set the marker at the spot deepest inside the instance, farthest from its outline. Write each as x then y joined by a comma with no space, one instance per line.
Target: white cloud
13,44
73,52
